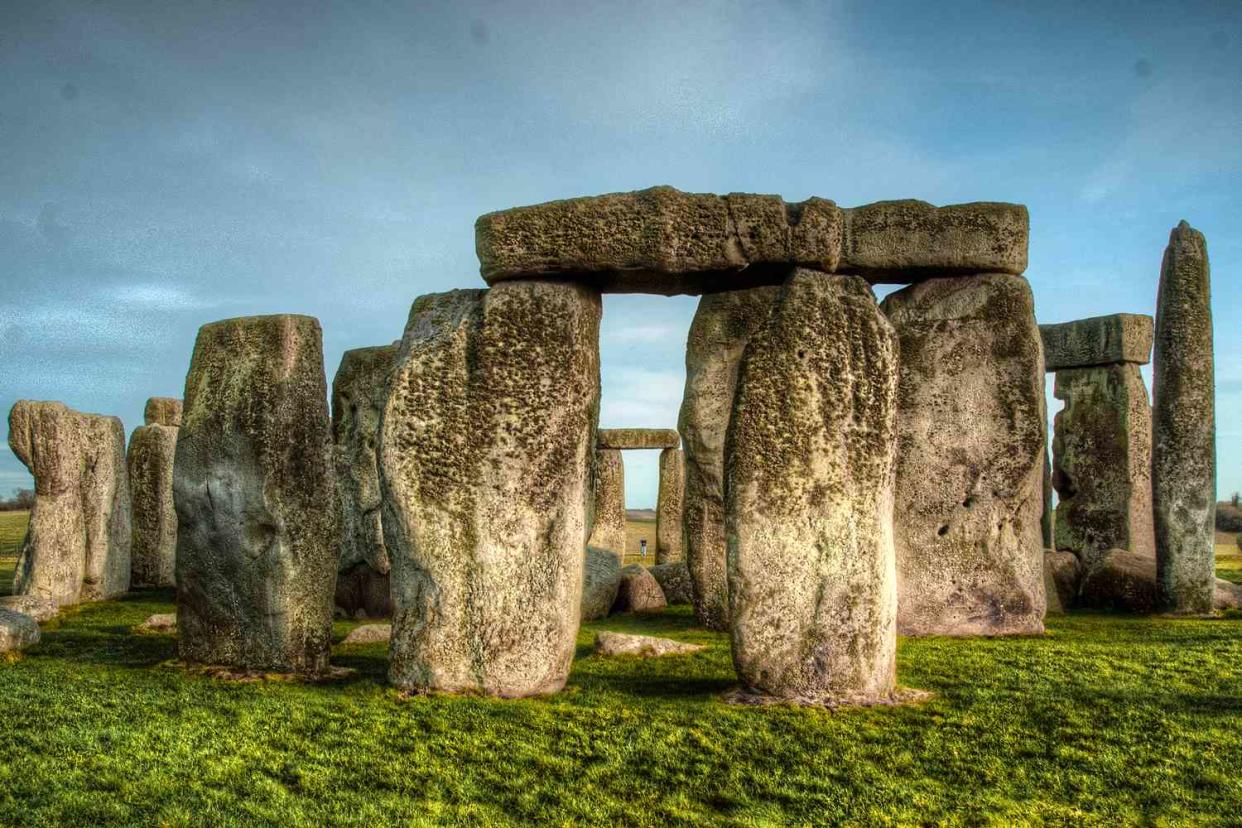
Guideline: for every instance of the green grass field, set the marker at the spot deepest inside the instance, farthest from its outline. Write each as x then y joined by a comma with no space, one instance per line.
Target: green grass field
1107,720
12,530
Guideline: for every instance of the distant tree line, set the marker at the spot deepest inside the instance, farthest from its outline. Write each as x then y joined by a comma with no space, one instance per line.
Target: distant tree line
21,500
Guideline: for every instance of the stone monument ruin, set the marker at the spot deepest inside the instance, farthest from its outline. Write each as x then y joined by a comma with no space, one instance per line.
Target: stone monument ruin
152,447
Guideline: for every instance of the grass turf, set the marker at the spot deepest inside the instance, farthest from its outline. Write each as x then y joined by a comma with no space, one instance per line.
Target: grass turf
1107,720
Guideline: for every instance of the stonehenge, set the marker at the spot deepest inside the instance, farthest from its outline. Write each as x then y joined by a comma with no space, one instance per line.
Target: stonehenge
149,461
77,545
358,392
257,521
1183,457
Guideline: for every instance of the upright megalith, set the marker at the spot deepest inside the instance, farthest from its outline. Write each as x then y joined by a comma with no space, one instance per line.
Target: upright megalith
485,463
970,459
670,547
608,527
1183,472
257,520
152,449
722,326
358,393
809,498
77,546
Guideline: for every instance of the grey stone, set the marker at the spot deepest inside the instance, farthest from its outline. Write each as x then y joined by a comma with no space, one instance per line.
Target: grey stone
601,577
40,609
723,324
1183,475
904,241
17,631
638,591
369,634
77,545
485,464
638,438
1062,572
1099,340
674,581
165,411
659,240
670,535
358,393
258,526
162,623
1227,595
1047,519
641,646
809,476
608,522
1101,452
152,449
970,463
1120,580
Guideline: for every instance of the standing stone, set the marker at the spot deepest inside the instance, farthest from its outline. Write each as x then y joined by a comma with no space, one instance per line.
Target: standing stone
1047,518
257,534
809,498
165,411
723,324
970,462
77,546
669,533
1101,450
1184,427
358,392
608,530
152,449
485,464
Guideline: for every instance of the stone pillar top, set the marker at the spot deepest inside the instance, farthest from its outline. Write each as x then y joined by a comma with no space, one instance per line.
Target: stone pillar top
165,411
638,438
1099,340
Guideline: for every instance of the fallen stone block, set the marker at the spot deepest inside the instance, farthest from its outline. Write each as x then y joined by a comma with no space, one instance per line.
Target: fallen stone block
40,609
369,634
160,623
17,631
674,581
641,646
638,591
1120,580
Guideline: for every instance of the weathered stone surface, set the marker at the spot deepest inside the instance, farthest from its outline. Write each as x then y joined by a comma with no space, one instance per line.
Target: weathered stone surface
1227,596
809,475
162,623
670,536
40,609
1184,426
903,241
641,646
77,546
358,393
638,438
17,631
152,449
165,411
485,463
1120,580
1047,519
638,591
659,240
1101,451
601,577
258,526
369,634
1099,340
674,581
723,324
608,525
969,493
1062,572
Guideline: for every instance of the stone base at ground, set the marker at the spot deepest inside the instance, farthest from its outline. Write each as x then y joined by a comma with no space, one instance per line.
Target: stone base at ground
601,578
674,581
638,591
642,646
1062,572
1120,580
17,631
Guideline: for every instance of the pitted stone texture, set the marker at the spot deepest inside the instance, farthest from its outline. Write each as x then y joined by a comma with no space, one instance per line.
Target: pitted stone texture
358,393
638,438
723,324
258,526
17,631
1047,518
642,646
1099,340
1062,572
1184,426
1121,580
970,463
165,411
674,581
40,609
809,498
152,449
485,462
903,241
77,546
670,536
639,591
659,240
608,527
601,577
1101,450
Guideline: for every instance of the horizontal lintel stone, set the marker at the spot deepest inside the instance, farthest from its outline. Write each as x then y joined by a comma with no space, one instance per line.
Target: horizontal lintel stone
1099,340
638,438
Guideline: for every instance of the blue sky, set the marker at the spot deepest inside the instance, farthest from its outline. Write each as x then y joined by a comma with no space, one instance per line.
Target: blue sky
166,165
